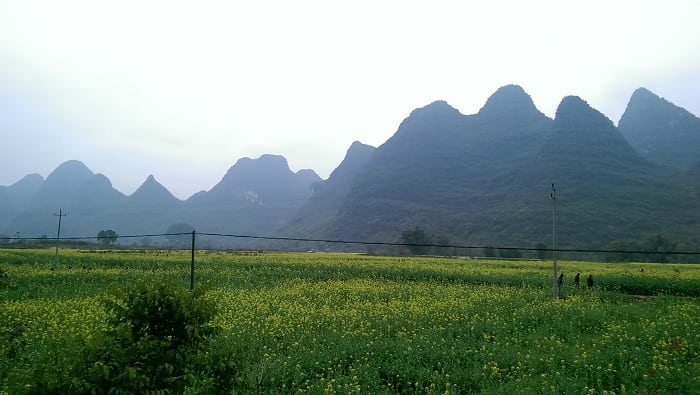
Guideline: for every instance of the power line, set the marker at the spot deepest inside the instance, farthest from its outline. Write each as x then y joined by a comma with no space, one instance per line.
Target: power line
378,243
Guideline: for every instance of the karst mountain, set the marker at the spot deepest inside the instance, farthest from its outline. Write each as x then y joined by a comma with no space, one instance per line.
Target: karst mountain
475,180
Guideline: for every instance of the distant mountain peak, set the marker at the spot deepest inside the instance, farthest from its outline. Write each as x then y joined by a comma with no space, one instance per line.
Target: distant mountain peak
643,98
510,107
509,99
309,176
661,131
265,161
62,183
358,149
358,145
355,158
435,108
572,101
72,169
273,159
151,182
153,192
101,180
642,92
435,116
580,129
33,180
574,111
268,177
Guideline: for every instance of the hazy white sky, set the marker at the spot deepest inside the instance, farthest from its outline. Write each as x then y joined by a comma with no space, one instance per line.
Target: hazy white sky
182,90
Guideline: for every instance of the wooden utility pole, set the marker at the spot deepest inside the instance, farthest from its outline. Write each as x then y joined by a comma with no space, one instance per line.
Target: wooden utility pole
58,234
555,283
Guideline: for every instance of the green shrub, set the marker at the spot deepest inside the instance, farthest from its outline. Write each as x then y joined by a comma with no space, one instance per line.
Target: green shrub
158,340
154,331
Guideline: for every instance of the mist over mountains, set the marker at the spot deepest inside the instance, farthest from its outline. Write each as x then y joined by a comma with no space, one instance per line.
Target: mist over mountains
480,179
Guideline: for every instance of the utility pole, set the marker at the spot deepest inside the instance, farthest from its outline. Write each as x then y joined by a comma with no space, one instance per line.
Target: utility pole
555,283
192,264
58,234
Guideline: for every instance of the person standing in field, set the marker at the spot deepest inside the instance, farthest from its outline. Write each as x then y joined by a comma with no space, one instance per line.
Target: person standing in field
576,279
560,281
590,281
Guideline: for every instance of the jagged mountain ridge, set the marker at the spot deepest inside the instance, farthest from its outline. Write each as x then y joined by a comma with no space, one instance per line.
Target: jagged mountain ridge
486,178
328,195
249,195
255,197
434,165
476,179
661,131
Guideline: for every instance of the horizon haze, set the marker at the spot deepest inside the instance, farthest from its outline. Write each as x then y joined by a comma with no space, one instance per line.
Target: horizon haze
183,91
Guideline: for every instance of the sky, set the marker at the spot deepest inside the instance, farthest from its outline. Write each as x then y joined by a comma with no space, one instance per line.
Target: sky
183,89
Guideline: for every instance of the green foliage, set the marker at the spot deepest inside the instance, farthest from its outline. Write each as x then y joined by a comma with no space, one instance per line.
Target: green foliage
661,246
154,328
655,249
510,253
179,235
154,342
542,252
489,252
417,241
107,237
162,311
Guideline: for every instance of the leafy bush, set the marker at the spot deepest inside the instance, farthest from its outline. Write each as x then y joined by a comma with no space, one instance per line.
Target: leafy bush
156,341
154,329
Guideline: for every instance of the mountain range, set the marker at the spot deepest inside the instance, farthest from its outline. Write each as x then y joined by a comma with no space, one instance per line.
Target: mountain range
479,179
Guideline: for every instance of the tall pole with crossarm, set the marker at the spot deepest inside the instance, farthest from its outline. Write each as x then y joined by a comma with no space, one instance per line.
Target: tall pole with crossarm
555,284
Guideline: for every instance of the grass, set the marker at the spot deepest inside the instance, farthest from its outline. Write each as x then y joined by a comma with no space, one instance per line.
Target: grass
344,323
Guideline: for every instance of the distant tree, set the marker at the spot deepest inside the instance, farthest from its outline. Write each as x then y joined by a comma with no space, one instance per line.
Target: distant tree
510,253
661,247
617,251
416,240
107,237
146,241
43,240
654,249
542,252
179,235
443,241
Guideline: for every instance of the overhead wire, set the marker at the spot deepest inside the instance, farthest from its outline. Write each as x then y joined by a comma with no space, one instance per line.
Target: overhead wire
364,242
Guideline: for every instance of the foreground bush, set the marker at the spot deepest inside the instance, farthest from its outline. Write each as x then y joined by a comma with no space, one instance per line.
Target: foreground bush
154,328
153,343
